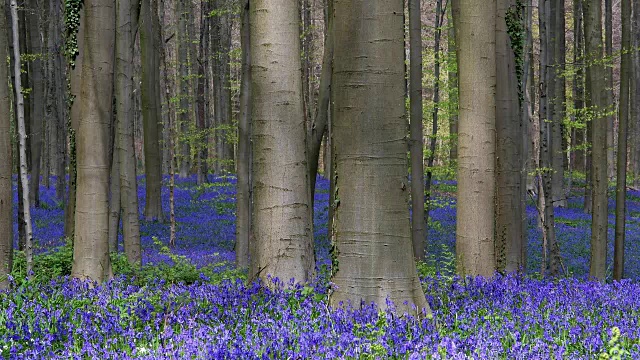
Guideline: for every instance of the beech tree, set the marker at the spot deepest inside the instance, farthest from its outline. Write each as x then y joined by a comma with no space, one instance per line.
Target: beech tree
476,39
152,122
6,196
243,217
91,244
282,224
369,157
597,100
127,22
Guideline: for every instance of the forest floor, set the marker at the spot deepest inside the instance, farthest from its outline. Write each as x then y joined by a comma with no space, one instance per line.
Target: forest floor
189,301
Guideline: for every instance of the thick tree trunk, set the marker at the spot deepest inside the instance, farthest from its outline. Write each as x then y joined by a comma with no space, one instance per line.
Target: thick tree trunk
6,157
282,224
152,121
91,243
202,99
475,226
598,100
22,134
371,157
418,218
509,236
578,135
621,178
243,218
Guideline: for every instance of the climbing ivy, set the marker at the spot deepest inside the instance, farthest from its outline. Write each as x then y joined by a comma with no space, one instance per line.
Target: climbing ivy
515,28
72,27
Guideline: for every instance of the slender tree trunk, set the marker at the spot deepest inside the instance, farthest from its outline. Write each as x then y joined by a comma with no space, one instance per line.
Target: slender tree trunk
635,96
418,218
476,138
24,180
577,137
6,157
556,33
608,74
152,122
37,95
127,23
526,114
621,182
243,219
598,96
370,156
509,236
452,66
282,223
91,242
201,95
182,84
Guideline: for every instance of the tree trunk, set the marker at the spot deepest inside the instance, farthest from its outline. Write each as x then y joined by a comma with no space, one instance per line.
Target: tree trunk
6,157
635,96
556,40
452,65
509,236
152,121
202,99
608,74
475,227
371,157
621,178
91,243
22,133
182,84
115,205
577,136
598,97
37,95
243,219
127,23
281,214
418,218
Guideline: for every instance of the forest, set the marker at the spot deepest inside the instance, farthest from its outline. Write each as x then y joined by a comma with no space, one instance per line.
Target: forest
320,179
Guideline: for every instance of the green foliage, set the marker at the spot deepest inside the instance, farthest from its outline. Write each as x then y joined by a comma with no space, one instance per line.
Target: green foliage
515,28
72,10
58,262
616,347
444,265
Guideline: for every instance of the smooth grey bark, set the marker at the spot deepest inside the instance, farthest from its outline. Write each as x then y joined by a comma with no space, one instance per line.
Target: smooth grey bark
126,26
243,218
372,254
152,121
91,242
621,177
598,101
475,226
556,34
6,157
182,84
115,208
635,96
452,66
282,224
509,150
418,219
608,73
22,135
578,135
37,96
202,99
